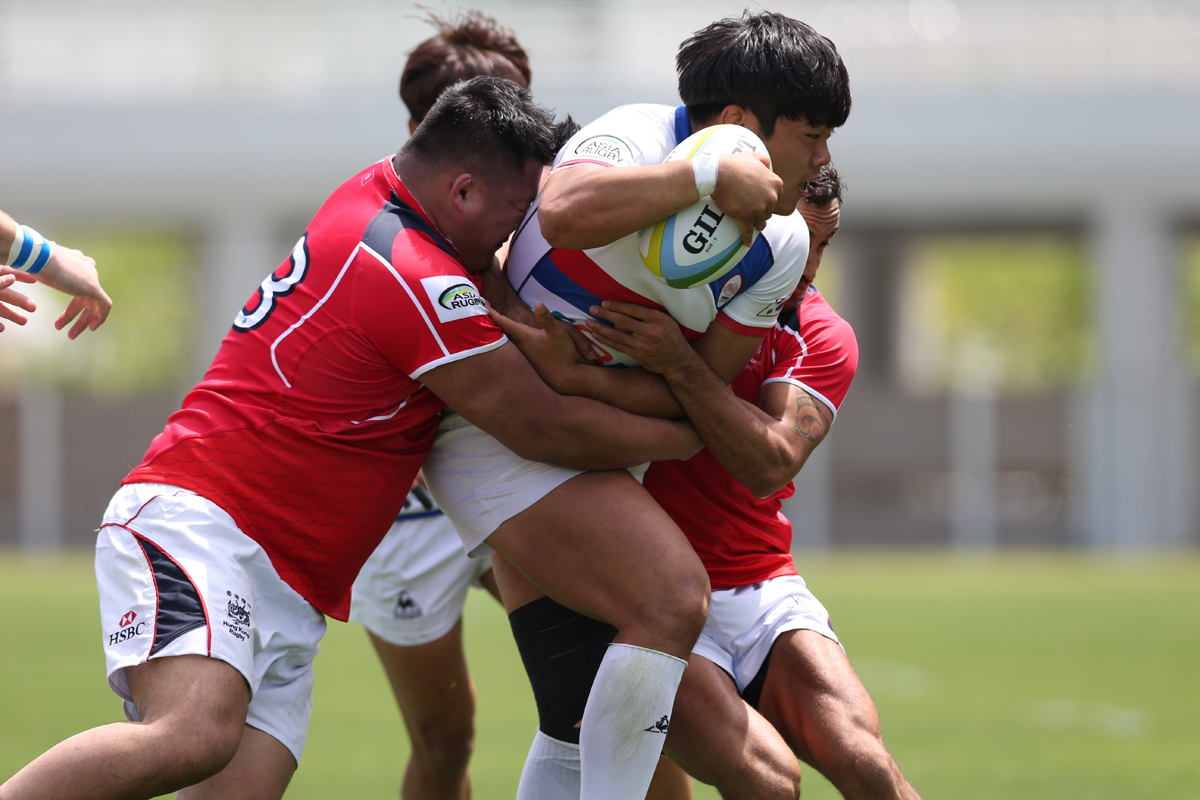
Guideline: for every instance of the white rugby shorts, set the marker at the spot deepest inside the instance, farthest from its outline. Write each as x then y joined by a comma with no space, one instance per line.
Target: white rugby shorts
177,577
745,621
481,484
412,589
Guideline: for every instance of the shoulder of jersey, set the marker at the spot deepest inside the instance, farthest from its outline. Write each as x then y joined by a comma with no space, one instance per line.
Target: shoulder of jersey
598,143
817,315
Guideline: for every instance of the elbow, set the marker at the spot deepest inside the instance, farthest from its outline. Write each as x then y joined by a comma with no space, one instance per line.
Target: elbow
765,486
555,220
769,478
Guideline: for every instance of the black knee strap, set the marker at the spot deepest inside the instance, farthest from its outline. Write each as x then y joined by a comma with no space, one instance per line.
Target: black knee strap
562,651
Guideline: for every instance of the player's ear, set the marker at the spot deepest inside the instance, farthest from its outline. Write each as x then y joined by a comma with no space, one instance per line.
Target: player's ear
463,190
733,115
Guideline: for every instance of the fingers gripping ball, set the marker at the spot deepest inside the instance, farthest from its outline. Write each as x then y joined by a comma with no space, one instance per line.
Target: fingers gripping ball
699,244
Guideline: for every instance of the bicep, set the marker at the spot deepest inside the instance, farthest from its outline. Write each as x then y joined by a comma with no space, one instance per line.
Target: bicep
726,352
493,390
804,420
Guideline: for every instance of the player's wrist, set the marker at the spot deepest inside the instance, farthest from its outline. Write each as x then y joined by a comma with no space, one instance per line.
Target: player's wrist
704,169
30,251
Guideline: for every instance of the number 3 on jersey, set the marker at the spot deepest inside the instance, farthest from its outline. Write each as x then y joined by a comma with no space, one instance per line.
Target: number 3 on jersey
275,286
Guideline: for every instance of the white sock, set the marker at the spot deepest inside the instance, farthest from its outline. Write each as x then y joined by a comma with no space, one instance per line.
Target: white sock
625,722
551,770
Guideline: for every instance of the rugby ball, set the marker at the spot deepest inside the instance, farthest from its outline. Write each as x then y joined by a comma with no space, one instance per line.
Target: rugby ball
699,244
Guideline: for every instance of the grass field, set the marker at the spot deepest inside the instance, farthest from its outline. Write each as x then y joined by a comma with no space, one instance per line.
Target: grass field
1023,676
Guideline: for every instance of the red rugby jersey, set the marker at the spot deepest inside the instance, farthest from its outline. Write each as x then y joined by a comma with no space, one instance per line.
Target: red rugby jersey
740,538
311,423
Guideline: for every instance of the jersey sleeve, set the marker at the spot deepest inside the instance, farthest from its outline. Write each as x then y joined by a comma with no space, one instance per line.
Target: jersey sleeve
818,353
754,310
422,310
629,136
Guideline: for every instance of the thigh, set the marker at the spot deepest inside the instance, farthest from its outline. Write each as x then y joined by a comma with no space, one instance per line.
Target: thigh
720,740
190,691
814,698
430,681
515,590
601,546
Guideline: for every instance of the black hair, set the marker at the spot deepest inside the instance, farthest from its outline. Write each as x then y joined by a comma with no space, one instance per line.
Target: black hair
772,65
469,44
490,125
826,188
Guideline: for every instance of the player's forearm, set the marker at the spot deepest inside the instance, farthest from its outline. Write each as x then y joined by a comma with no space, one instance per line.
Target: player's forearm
583,434
591,206
634,390
497,290
748,442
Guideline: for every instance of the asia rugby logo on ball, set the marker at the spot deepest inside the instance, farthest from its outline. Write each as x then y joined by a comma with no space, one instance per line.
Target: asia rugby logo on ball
699,244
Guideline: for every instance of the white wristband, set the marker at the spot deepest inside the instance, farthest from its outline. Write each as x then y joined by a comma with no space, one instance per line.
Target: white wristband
704,167
30,251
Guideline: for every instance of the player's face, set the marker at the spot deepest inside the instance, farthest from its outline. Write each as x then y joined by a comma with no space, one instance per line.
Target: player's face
497,210
798,151
822,227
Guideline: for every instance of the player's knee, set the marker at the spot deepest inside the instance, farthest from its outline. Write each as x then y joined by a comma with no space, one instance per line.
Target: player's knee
196,749
677,612
445,748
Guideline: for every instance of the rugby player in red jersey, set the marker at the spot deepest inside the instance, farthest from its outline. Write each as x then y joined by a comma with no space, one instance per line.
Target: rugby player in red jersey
409,594
252,512
768,679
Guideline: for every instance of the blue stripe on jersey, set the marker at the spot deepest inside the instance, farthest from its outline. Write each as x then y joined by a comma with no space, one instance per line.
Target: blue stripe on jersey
555,281
683,127
753,266
394,217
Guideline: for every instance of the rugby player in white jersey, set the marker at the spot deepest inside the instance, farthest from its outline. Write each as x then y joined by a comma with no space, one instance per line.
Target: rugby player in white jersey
28,257
570,533
768,679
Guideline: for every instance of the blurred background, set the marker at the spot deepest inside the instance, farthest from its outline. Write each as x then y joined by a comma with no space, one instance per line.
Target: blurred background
1019,255
1018,251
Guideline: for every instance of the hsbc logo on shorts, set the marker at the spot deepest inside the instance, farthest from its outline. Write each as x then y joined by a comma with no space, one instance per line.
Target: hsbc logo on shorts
453,297
128,629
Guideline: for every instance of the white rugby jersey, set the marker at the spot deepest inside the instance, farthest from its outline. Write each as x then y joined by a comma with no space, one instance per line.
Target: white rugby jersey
746,300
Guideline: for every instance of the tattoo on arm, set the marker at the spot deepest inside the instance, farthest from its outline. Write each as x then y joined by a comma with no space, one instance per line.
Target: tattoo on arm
812,417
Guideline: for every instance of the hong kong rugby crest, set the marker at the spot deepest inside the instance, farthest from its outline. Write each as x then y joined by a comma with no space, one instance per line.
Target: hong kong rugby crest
237,617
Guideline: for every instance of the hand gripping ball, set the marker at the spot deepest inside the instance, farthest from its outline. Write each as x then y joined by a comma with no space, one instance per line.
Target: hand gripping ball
699,244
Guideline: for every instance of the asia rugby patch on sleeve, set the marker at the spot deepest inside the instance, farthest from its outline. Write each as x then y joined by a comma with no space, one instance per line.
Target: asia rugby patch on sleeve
603,149
453,297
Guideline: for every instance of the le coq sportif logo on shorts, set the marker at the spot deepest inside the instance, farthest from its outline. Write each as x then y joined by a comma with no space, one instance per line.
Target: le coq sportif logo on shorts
453,297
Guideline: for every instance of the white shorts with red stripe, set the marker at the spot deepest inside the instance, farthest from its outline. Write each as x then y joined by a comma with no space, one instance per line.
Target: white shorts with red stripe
177,577
744,622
